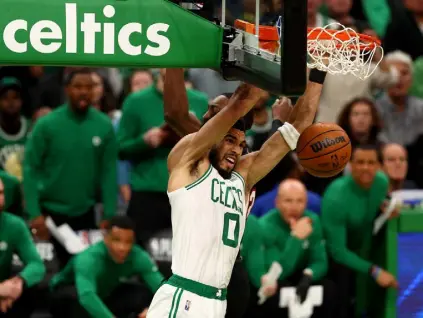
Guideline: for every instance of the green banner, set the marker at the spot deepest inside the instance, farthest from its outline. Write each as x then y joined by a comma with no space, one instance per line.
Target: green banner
133,33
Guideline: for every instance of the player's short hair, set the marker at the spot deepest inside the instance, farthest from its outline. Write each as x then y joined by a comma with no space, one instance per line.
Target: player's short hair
368,147
122,222
78,71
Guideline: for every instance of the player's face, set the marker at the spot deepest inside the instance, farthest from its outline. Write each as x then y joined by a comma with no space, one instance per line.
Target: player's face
395,162
80,91
364,165
361,118
403,86
226,154
10,102
119,243
291,204
215,106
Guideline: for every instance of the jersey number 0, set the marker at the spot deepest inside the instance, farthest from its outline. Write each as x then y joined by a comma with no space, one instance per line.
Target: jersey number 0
230,235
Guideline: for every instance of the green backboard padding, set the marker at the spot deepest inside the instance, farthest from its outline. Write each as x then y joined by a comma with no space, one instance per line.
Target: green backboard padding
135,33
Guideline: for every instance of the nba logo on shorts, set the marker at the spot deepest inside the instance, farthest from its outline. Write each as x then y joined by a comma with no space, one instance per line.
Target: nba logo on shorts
187,305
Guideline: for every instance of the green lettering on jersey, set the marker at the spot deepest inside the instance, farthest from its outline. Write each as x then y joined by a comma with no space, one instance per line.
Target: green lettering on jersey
228,196
215,182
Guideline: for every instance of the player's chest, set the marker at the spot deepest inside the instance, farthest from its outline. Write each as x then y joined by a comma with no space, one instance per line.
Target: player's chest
227,195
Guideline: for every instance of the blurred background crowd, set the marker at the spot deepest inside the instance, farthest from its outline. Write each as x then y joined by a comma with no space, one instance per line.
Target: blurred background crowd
90,175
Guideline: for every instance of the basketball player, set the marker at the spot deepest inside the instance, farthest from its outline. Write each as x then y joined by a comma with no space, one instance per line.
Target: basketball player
183,123
208,190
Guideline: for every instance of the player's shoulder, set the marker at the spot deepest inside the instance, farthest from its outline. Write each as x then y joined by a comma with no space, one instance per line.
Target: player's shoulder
337,185
92,254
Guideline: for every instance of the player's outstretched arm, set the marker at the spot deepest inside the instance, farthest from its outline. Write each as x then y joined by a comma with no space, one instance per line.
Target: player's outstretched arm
176,106
257,165
241,102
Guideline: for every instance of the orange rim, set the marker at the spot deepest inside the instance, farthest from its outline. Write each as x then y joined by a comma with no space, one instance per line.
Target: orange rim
317,34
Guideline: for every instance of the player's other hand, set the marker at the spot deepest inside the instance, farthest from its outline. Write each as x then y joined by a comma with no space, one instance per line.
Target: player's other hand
269,288
282,108
386,279
5,304
39,228
154,137
301,228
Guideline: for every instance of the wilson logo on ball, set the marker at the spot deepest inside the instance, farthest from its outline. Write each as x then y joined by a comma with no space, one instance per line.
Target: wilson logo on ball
326,143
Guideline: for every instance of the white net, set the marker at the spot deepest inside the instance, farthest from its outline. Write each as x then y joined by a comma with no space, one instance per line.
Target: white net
337,49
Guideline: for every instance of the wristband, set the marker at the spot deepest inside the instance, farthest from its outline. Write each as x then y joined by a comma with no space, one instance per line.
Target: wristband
317,76
290,134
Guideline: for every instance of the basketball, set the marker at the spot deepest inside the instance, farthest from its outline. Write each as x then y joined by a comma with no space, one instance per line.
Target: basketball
324,149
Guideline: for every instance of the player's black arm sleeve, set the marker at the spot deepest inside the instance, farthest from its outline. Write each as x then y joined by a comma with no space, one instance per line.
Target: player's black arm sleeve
176,106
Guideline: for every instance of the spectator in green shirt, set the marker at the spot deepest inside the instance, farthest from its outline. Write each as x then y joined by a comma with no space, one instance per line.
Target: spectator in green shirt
16,294
95,282
12,193
349,207
146,144
293,237
70,156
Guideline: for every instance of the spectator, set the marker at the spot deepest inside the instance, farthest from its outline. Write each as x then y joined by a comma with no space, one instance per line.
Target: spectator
16,293
349,207
404,32
314,17
331,102
142,141
293,237
401,113
395,165
103,98
267,202
360,120
12,193
91,284
340,11
71,153
13,127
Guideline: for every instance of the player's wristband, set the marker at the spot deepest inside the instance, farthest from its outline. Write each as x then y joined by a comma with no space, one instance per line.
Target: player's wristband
290,134
375,272
317,76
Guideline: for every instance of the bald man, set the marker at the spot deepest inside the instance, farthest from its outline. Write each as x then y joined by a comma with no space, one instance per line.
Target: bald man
395,165
292,236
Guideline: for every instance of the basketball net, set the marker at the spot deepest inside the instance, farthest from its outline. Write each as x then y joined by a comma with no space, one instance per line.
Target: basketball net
337,49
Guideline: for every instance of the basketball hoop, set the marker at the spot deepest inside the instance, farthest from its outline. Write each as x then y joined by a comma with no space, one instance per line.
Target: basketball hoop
337,49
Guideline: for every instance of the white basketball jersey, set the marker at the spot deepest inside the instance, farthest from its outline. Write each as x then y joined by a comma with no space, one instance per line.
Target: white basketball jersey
208,222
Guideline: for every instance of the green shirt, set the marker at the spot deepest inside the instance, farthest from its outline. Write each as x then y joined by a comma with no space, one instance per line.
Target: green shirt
292,253
348,213
142,111
96,275
252,250
12,192
16,238
68,158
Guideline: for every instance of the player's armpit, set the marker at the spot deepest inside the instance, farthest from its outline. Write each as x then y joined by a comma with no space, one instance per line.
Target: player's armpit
176,106
178,151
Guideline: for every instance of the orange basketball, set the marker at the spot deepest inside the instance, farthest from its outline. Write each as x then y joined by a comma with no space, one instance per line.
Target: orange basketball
324,149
